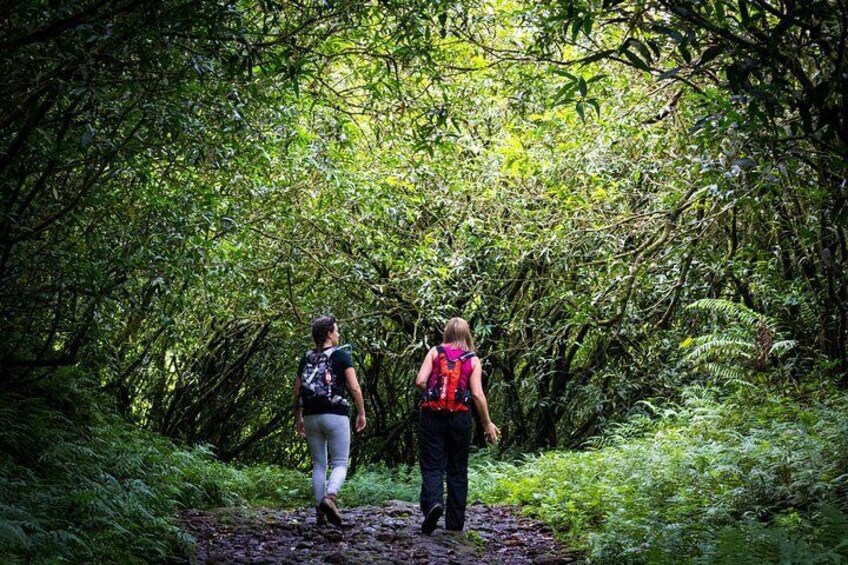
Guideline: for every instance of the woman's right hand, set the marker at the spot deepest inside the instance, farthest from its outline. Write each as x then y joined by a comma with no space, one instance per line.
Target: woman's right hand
492,432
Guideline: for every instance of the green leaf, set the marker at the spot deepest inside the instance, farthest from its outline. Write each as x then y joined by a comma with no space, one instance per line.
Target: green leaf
588,20
564,93
564,73
641,47
673,33
636,61
710,54
580,111
598,56
87,135
684,52
669,73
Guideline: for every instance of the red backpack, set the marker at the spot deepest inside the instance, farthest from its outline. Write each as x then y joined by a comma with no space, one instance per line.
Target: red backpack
447,389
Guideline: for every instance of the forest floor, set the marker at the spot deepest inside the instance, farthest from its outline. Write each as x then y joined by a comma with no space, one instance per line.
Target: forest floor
371,534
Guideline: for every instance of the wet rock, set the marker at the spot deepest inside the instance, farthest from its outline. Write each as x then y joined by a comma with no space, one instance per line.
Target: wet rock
333,535
551,560
401,509
386,536
217,558
335,557
394,523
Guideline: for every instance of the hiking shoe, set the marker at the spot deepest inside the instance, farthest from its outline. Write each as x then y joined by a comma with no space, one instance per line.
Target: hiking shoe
328,506
431,518
320,516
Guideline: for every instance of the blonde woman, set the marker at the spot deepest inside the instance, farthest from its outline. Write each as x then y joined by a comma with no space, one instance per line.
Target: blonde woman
450,379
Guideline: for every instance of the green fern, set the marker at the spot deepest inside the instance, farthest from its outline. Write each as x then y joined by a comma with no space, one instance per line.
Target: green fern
746,346
749,477
721,346
731,309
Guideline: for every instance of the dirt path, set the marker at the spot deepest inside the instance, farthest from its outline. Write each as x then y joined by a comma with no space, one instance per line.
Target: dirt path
371,534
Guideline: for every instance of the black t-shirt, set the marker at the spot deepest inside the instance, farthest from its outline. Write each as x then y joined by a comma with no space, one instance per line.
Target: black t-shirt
339,363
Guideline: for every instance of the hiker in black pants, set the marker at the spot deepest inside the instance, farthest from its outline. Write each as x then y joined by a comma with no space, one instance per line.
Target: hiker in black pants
449,379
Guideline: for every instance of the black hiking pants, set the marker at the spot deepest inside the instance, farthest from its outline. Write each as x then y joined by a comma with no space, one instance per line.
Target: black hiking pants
444,439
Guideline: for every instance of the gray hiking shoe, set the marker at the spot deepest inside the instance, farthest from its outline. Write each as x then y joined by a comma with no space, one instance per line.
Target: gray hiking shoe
328,506
320,516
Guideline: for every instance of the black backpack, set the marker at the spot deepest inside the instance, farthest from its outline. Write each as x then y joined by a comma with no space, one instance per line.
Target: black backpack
318,382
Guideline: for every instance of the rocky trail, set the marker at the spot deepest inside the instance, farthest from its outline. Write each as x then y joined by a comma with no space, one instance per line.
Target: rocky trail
371,534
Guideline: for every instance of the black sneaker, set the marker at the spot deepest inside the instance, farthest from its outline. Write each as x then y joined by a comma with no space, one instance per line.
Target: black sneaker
431,518
328,506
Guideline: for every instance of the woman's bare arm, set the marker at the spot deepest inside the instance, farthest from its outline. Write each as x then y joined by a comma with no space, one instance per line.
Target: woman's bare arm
298,416
358,400
426,369
479,398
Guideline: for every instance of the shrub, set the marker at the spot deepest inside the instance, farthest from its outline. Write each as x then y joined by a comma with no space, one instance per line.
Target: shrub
79,484
756,474
378,484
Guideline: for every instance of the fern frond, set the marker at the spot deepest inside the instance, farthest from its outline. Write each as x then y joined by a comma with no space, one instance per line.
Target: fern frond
782,346
721,348
731,375
734,310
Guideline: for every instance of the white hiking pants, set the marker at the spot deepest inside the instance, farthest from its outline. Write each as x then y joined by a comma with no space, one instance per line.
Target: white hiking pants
327,432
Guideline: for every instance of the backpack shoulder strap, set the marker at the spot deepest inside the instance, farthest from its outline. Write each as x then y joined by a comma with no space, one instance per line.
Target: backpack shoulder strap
308,356
466,355
329,352
442,353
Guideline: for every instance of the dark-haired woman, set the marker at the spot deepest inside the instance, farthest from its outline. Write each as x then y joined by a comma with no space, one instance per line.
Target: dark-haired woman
449,379
322,413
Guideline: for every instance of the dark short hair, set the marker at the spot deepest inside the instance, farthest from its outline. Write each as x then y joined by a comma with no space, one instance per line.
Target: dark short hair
321,328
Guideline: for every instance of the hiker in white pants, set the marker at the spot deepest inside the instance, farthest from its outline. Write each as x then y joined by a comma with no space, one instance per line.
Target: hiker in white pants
322,413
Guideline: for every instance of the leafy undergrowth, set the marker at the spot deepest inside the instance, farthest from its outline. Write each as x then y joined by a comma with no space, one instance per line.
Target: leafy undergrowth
78,484
754,478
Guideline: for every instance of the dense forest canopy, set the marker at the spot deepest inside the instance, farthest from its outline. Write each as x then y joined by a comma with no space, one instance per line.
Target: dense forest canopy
639,206
623,197
187,184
